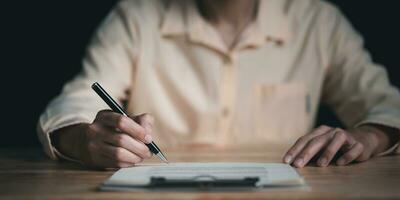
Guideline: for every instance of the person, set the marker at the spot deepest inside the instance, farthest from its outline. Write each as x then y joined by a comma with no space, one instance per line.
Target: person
224,73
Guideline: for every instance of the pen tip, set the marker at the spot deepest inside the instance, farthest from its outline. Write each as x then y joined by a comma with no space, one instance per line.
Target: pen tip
162,157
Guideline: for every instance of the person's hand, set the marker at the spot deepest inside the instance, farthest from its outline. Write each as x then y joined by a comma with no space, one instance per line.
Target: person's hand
112,140
326,143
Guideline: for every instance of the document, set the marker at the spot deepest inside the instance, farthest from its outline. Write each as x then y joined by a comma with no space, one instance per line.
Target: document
267,174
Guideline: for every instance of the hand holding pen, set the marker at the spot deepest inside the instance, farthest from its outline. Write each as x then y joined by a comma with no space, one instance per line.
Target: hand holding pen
117,141
132,134
112,140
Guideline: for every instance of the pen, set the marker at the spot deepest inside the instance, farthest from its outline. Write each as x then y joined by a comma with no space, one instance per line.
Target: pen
117,108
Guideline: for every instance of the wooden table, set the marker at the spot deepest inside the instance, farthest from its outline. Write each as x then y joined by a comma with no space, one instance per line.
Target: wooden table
28,174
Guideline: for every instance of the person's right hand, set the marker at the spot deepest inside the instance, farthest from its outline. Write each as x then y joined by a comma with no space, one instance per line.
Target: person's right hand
113,140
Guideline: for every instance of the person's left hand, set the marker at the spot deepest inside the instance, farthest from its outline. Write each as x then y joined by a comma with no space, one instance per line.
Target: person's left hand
325,143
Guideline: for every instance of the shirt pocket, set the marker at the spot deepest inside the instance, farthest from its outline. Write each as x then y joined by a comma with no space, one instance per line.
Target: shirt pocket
280,112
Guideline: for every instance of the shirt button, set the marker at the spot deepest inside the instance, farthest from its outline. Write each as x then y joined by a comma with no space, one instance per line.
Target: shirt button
225,112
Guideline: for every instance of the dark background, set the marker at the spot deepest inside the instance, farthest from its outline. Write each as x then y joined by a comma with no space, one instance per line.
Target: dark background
43,43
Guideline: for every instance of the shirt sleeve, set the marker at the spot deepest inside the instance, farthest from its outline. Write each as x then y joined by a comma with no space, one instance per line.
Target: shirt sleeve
357,89
109,60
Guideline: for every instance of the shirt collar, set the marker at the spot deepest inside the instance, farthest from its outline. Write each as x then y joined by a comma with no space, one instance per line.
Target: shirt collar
182,18
271,24
174,21
273,20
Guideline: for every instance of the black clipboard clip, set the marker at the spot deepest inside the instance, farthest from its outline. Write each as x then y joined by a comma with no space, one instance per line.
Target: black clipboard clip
203,182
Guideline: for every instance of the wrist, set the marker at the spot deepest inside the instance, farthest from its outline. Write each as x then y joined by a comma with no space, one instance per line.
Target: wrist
69,140
380,137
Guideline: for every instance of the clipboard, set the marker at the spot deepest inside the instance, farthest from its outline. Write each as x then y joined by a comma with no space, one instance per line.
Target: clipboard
203,177
203,182
199,183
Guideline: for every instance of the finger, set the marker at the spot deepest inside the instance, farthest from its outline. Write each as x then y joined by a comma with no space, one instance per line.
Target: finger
124,124
338,140
311,149
108,118
98,159
349,144
351,155
302,141
145,120
119,154
104,115
127,142
101,131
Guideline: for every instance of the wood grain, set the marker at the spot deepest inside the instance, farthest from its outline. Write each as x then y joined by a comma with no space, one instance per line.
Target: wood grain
28,174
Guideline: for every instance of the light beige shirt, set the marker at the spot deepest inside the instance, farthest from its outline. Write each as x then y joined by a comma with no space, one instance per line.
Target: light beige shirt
163,58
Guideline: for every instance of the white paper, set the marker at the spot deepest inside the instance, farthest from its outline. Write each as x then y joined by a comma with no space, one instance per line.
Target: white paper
269,174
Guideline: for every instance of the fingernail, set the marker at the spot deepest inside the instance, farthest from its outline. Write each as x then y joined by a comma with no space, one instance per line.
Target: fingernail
341,161
299,162
288,159
148,138
322,161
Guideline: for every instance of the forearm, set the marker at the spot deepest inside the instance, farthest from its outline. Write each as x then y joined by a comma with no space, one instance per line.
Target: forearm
69,140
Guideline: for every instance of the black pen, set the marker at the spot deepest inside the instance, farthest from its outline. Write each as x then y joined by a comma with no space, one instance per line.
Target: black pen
117,108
